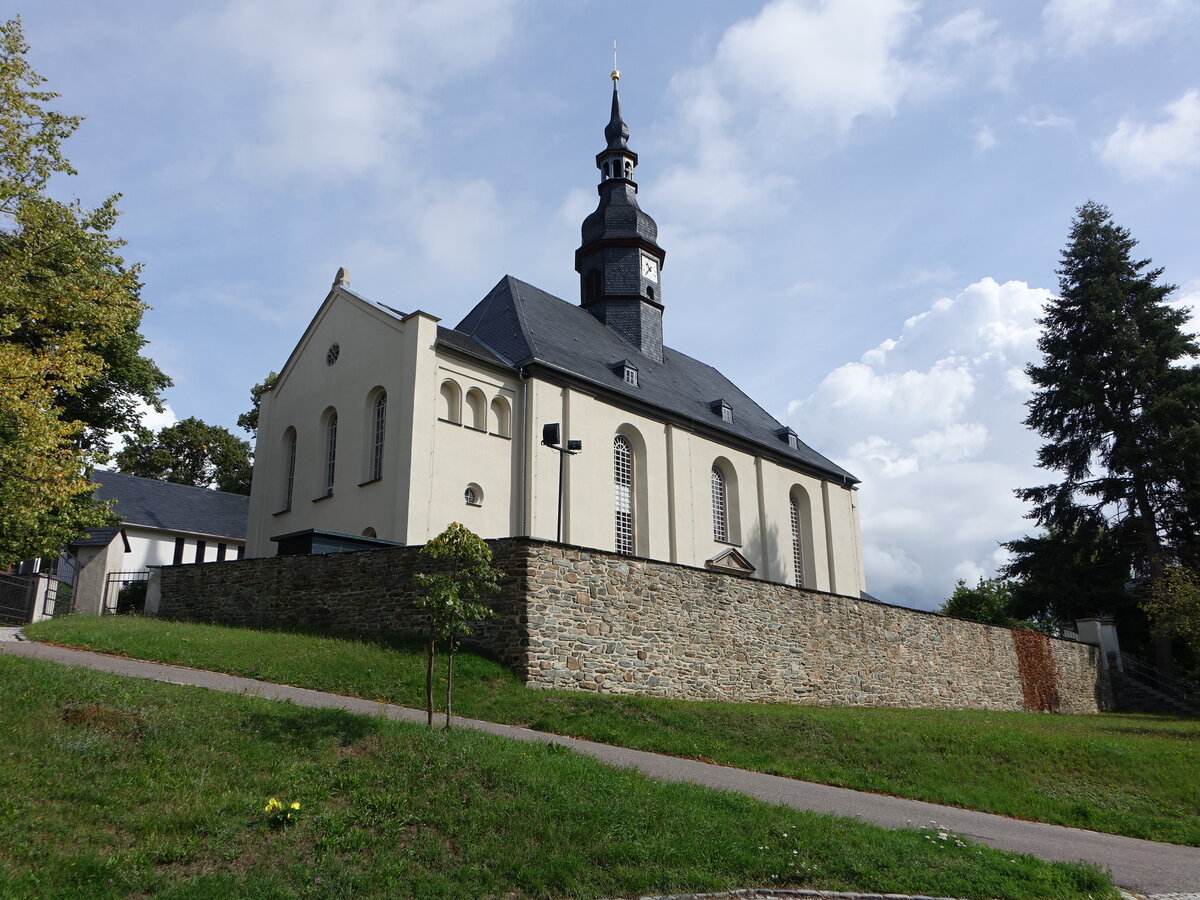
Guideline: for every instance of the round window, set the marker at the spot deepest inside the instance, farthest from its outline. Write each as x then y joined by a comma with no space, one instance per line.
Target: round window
473,495
332,355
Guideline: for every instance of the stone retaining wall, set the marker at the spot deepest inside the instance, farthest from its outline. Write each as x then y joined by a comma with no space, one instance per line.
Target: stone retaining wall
591,620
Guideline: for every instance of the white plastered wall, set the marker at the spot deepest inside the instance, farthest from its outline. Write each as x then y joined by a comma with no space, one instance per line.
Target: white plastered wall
429,463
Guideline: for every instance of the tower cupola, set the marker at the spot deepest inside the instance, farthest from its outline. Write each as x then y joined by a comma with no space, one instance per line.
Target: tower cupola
619,261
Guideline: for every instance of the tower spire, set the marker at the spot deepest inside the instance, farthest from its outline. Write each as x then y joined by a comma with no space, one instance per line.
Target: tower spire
619,260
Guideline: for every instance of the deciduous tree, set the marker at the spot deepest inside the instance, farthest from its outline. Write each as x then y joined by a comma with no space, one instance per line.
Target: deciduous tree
462,576
248,421
70,310
189,452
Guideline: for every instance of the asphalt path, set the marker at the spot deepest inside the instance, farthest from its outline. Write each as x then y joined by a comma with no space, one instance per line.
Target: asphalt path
1145,867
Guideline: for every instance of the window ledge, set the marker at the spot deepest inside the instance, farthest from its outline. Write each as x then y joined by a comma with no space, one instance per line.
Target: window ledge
727,543
323,497
473,428
370,481
450,422
505,437
282,511
475,504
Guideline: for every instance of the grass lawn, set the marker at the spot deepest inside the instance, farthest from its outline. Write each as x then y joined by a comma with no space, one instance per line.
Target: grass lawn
114,787
1124,774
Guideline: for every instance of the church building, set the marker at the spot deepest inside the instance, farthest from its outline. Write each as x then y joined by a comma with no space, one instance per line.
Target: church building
539,417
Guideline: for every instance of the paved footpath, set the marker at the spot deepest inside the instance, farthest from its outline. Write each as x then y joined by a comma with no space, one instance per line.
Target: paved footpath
1146,867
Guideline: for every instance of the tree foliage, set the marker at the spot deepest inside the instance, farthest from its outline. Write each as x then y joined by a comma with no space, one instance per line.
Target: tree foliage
70,367
462,576
248,421
1173,605
189,452
1118,403
991,602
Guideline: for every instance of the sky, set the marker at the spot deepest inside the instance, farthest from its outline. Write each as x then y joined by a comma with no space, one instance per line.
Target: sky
862,202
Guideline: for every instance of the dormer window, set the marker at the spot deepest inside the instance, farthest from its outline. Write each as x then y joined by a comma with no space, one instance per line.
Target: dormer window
722,409
627,371
789,437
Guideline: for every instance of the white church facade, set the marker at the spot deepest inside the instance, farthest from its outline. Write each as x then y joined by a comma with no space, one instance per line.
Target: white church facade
385,424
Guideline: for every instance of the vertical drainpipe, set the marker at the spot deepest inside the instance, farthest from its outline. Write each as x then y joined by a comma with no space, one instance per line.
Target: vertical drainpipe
523,521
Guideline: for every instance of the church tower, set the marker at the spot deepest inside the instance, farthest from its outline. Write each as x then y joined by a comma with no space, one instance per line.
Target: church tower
619,261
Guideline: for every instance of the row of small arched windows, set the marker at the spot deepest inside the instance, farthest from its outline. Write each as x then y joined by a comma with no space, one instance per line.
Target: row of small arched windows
494,417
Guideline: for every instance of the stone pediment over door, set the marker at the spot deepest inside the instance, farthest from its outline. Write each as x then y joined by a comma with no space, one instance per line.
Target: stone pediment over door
730,561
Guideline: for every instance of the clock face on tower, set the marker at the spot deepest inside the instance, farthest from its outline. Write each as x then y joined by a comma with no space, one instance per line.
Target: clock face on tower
650,268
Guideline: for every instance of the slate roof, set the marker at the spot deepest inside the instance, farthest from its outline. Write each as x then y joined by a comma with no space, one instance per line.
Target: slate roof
521,325
173,507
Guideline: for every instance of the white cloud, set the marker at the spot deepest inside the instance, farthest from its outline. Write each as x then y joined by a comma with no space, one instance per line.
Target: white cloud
985,139
150,418
931,421
1163,150
793,72
346,85
1074,26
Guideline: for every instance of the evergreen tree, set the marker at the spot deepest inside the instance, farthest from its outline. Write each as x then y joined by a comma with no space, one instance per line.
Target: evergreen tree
1117,402
70,367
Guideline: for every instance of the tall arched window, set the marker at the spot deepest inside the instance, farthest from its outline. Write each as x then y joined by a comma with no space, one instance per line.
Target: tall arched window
289,466
330,449
623,494
378,427
719,505
797,551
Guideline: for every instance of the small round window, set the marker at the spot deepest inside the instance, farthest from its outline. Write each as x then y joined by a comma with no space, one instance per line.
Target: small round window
331,355
473,495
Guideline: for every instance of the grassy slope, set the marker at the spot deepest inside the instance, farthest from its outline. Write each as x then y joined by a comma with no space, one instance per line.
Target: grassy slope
121,788
1131,775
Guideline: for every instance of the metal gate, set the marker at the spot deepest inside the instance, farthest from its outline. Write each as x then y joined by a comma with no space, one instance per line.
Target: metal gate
125,592
18,598
38,593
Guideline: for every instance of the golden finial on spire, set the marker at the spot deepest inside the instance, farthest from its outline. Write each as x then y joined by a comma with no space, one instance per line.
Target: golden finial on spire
616,73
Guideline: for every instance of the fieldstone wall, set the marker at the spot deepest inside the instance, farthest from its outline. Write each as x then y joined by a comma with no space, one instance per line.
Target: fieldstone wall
585,619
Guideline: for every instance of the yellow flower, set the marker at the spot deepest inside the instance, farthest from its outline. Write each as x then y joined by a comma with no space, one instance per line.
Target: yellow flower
295,805
273,805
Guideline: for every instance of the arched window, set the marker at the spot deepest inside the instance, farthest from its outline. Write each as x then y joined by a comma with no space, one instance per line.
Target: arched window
797,547
623,494
451,402
289,467
629,170
330,449
720,505
477,404
369,532
502,416
378,427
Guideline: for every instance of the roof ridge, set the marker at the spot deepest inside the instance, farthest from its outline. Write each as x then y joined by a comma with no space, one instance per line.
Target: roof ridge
518,308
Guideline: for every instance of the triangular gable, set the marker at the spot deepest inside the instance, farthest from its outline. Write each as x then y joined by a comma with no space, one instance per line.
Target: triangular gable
731,561
340,294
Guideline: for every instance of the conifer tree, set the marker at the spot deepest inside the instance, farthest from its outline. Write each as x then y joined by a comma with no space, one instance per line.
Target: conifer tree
1117,401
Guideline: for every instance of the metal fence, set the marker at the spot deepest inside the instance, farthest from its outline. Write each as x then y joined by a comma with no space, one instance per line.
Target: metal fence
125,592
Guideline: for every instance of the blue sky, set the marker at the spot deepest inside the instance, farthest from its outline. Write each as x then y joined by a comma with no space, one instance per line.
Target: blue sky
862,201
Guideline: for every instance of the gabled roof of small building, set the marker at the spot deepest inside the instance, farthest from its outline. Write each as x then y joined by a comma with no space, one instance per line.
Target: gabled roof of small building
522,325
173,507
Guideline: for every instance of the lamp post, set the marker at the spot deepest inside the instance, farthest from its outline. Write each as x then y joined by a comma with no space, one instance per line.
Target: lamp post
552,438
